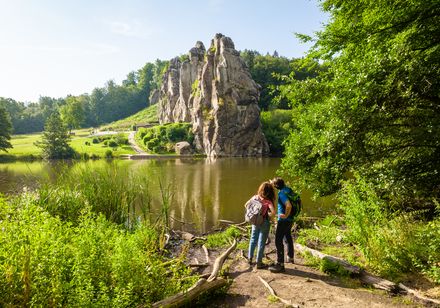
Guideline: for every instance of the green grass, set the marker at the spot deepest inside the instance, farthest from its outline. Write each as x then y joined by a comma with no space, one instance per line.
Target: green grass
78,144
222,239
147,115
24,145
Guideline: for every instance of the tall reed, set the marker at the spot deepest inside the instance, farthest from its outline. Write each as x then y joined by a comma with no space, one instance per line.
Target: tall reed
112,191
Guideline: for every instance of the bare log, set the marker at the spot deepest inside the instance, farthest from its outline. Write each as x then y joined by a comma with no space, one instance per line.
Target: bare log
272,292
367,278
220,260
378,283
419,296
355,270
192,293
206,253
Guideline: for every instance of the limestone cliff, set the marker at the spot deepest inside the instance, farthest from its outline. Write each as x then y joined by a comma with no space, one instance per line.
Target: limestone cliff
214,90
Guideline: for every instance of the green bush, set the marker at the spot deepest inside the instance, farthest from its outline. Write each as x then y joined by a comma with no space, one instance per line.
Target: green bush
108,154
95,140
120,139
392,242
46,262
161,138
112,143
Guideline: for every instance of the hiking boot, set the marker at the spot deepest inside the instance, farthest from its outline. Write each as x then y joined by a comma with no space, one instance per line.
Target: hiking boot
277,268
290,260
261,265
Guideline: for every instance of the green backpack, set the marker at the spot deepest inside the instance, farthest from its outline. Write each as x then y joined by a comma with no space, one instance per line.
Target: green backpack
295,200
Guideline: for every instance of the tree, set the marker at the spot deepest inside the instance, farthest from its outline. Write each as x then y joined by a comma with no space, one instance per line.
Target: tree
73,112
5,130
375,110
55,140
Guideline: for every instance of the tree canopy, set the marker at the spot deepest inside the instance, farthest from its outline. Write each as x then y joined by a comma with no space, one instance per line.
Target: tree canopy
5,130
55,139
374,112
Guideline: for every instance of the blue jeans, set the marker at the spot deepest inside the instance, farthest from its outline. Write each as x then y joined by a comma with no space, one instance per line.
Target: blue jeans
258,236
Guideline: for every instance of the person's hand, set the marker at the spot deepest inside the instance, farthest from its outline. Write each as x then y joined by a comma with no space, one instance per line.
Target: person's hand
282,215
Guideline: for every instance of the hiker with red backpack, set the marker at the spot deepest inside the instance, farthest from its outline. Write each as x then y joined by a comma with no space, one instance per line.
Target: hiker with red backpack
289,206
263,202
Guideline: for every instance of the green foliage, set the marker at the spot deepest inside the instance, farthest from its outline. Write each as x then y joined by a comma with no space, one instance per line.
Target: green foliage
73,113
222,239
268,70
45,261
391,242
161,138
375,108
330,267
276,126
55,140
112,143
5,130
108,154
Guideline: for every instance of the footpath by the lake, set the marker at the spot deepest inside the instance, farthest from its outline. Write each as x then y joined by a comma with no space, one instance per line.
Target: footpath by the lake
300,285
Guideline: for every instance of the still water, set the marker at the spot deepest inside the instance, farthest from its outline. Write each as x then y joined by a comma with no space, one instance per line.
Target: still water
202,190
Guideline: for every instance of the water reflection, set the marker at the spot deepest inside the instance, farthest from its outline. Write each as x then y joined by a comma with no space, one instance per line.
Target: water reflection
202,190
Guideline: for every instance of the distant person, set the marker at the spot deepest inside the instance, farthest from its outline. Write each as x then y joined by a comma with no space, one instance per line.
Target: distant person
259,234
284,224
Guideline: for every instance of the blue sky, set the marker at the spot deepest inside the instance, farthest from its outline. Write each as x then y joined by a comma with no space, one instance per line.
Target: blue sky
55,48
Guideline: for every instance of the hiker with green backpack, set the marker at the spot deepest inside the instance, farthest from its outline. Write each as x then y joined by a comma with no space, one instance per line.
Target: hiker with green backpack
289,206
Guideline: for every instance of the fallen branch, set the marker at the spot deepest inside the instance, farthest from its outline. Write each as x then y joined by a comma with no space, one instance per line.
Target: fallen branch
367,278
201,286
355,270
206,253
272,292
220,260
418,295
189,295
378,283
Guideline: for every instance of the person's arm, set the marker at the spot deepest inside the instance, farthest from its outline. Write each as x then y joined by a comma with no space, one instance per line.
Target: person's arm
272,212
288,206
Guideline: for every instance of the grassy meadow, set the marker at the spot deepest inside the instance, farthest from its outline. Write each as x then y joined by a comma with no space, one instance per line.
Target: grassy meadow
24,145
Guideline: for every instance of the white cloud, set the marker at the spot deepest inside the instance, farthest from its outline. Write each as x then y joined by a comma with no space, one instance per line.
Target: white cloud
133,28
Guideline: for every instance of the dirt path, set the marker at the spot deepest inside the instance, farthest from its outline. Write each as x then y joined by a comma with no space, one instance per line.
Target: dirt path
302,285
134,145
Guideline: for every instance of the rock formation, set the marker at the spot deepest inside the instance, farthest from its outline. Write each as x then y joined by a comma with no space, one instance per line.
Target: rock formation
215,91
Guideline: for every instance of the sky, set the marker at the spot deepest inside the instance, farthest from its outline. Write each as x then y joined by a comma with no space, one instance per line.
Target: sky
59,47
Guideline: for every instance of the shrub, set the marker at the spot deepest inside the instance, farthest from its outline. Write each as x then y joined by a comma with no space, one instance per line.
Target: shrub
392,242
108,154
95,140
120,139
112,143
87,143
162,138
47,262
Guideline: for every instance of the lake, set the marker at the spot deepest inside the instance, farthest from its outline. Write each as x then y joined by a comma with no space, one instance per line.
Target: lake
202,190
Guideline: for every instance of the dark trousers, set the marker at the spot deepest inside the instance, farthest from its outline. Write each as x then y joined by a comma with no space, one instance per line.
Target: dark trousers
283,231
